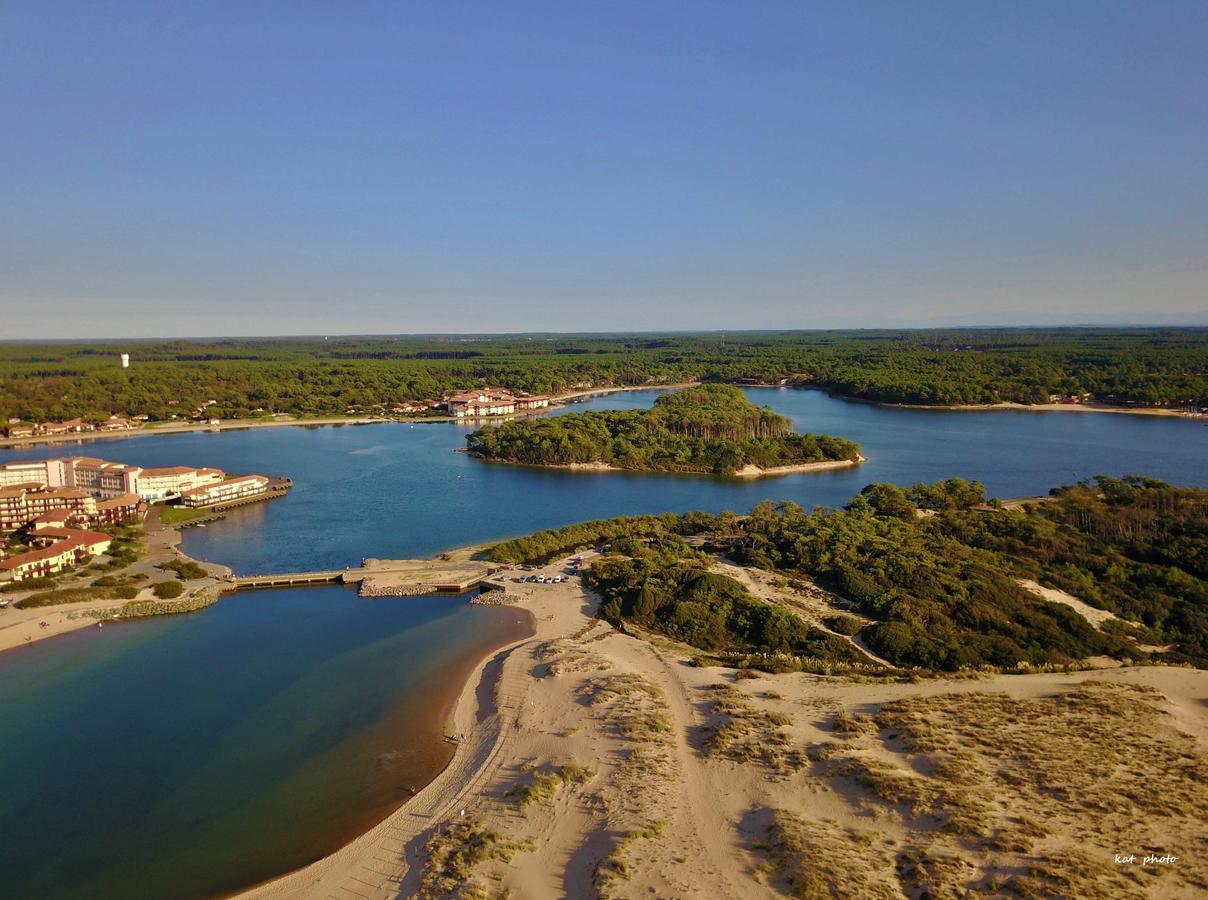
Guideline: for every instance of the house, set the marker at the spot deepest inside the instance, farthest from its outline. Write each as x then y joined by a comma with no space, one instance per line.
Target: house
71,426
25,472
12,505
16,431
47,499
100,477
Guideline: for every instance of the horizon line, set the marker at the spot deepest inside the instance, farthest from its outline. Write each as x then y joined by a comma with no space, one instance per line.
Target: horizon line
316,336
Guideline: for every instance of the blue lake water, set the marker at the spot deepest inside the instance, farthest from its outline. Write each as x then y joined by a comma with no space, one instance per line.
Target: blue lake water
401,491
193,755
176,748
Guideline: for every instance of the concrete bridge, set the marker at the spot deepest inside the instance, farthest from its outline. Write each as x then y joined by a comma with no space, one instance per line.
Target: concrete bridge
381,578
284,579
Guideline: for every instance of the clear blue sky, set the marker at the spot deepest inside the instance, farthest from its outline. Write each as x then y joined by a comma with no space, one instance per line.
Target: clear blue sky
301,167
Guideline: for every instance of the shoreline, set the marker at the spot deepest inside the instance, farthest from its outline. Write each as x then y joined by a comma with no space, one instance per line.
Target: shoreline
1053,407
247,424
519,706
747,472
456,718
22,627
512,706
484,720
1004,406
7,443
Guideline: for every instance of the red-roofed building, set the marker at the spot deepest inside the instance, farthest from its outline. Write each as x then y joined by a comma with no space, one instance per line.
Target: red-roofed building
38,563
87,543
532,401
55,518
58,549
485,402
118,509
23,503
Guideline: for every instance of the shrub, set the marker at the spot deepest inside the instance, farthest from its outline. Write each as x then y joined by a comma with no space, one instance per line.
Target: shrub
167,590
29,584
847,625
184,568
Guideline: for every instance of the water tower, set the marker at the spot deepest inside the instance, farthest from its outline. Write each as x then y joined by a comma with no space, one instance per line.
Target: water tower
125,360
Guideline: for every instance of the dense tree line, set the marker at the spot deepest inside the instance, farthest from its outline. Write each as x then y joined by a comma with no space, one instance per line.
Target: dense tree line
712,428
546,545
942,589
1136,547
248,377
938,603
669,592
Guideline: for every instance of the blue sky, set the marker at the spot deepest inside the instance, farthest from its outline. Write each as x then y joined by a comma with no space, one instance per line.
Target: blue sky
301,167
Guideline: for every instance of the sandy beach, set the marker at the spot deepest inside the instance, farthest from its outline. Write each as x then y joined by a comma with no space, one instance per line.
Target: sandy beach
22,627
773,471
1035,407
591,762
589,765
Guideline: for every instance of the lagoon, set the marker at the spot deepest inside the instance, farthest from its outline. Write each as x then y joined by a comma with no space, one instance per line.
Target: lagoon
227,746
400,490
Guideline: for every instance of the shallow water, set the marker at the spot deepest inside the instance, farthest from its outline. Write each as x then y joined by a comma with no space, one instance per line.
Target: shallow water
186,756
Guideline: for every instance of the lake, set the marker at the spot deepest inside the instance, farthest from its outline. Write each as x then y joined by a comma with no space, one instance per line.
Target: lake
175,748
398,490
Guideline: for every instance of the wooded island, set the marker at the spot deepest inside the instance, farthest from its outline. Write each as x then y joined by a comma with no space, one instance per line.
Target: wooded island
710,429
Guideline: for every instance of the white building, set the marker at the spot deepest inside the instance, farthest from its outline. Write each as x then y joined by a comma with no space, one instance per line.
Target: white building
224,491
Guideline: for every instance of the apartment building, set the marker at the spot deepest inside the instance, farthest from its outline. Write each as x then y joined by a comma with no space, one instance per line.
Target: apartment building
100,477
23,503
225,491
119,509
31,472
492,402
170,481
